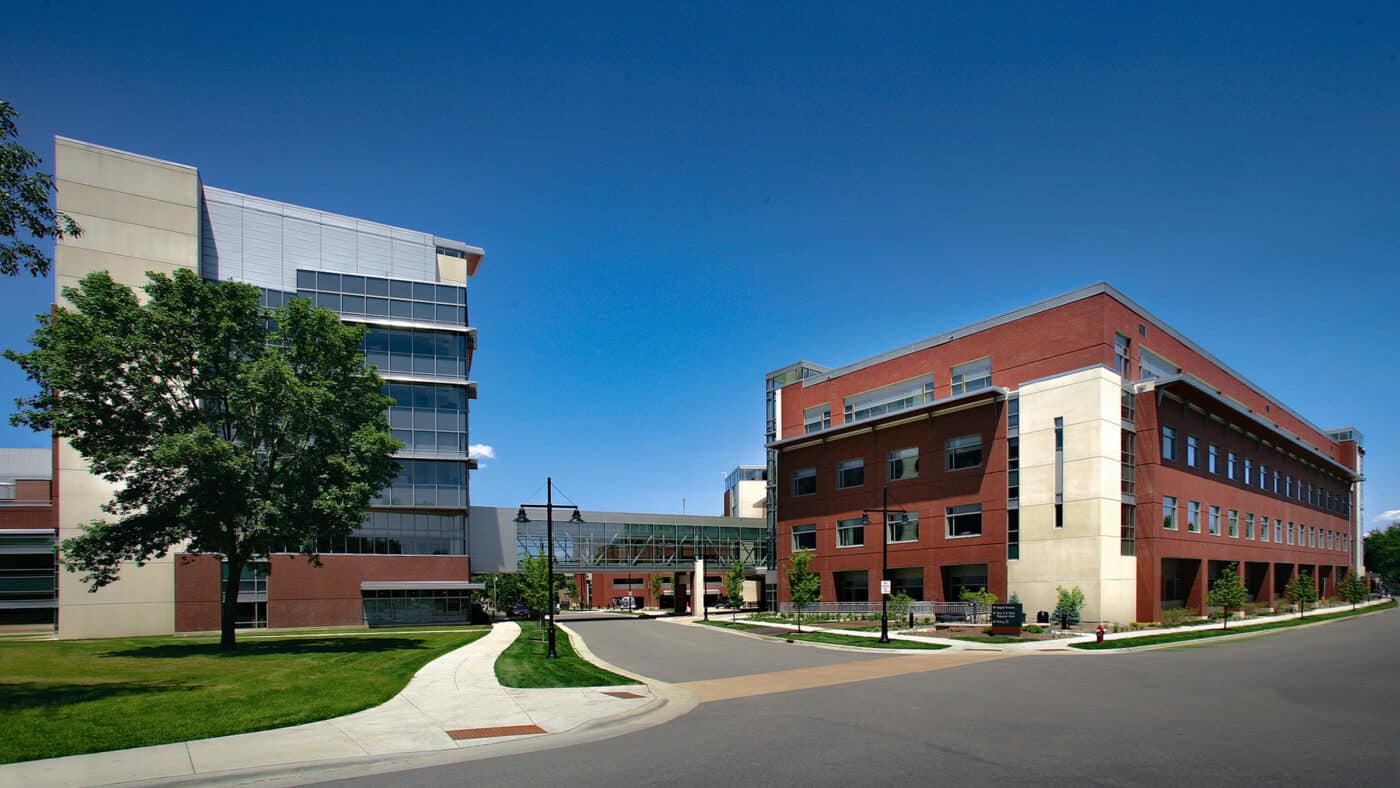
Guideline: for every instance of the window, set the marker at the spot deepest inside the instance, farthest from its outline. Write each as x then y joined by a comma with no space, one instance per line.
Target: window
964,520
972,376
1013,468
1276,482
804,482
1263,476
1193,457
964,452
1215,521
850,473
902,527
1278,531
1213,459
1168,443
1249,526
1290,533
1288,486
818,418
903,464
1122,361
1233,524
889,399
1013,534
429,419
1154,366
1127,530
1169,512
1312,537
850,533
1013,414
1248,471
804,537
1231,460
427,483
1193,517
1127,457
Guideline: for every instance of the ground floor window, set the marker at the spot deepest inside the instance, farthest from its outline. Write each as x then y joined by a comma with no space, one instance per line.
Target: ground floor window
963,577
851,586
252,594
403,607
908,581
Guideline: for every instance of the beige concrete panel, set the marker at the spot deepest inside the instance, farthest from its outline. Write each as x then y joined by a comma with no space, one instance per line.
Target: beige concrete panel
75,263
94,165
131,208
111,621
451,270
135,241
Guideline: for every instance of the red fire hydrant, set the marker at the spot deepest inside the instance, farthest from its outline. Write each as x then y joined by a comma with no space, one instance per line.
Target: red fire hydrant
1099,633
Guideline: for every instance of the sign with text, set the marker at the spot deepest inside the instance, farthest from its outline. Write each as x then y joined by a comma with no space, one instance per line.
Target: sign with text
884,586
1006,619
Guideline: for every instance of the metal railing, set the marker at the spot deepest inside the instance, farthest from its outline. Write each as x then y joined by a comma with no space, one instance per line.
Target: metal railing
969,612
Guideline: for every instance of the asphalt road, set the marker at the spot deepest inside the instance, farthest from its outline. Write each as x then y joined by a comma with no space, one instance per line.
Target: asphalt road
1314,706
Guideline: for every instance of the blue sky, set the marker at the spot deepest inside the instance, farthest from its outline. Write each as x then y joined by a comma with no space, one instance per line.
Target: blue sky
677,198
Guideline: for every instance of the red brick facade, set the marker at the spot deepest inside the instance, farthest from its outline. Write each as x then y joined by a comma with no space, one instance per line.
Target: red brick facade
1067,334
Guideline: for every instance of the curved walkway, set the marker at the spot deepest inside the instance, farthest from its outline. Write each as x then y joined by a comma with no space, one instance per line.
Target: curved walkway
451,703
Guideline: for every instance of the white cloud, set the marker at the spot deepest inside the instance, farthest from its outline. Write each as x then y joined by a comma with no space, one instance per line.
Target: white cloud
1388,516
481,451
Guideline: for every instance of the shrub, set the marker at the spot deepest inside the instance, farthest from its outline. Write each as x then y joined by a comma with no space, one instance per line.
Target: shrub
1180,617
1034,629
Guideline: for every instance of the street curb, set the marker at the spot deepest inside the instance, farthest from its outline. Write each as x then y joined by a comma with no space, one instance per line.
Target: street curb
1361,612
828,646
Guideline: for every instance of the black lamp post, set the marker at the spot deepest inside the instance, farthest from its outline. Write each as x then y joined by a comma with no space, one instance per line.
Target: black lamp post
885,512
549,506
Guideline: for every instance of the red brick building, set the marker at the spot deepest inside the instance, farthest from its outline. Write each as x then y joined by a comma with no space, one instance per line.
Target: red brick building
1076,441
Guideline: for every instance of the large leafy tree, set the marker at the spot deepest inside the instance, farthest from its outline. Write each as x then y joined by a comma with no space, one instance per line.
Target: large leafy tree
534,583
1227,592
1383,553
228,429
804,585
25,215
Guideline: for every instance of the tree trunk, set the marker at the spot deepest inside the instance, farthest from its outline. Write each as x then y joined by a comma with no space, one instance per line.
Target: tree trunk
228,611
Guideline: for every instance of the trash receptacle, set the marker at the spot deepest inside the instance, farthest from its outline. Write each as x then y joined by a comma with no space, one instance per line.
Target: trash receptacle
1042,617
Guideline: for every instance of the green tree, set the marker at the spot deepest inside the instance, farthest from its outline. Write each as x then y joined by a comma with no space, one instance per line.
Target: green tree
734,588
1300,591
983,598
899,605
25,215
656,584
225,433
503,588
1226,592
1382,553
1353,589
534,584
1068,604
804,586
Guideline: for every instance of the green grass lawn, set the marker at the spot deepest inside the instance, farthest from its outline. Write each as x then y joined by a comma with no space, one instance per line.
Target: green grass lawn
990,639
1181,637
831,638
64,697
523,664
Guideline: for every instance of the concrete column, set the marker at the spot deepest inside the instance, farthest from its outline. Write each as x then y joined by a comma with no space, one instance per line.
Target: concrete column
697,590
1266,588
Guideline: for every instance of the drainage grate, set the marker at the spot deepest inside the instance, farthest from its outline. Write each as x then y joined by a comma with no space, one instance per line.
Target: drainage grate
491,733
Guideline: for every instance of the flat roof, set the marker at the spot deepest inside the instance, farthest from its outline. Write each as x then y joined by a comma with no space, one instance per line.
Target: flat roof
1097,288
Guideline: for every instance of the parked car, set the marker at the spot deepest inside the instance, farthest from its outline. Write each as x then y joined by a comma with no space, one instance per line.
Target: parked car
520,611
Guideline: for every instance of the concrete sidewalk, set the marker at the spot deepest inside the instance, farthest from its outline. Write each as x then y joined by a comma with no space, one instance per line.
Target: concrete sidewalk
453,702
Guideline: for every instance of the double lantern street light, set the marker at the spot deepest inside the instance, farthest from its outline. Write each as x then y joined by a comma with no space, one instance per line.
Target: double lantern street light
885,512
549,506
